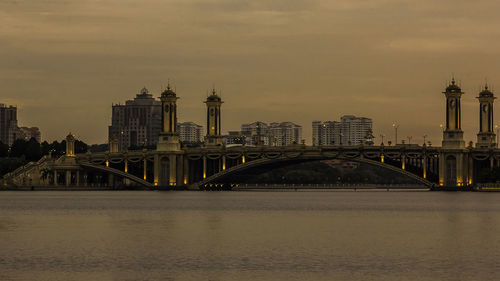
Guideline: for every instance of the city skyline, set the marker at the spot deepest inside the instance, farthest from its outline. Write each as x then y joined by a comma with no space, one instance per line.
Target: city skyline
287,60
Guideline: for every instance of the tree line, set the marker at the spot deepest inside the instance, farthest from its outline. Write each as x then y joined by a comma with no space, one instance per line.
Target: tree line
23,151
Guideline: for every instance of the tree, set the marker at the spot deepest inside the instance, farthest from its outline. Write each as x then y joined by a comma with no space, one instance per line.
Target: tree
80,147
4,149
45,148
18,148
33,150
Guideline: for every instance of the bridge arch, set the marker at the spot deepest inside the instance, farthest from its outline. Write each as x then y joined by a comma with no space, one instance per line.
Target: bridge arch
267,161
117,173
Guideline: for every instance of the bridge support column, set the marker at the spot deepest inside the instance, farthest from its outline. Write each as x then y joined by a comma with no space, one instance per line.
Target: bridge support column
442,168
55,178
145,168
403,160
173,170
185,170
111,180
68,178
126,165
470,176
461,170
454,169
424,167
78,178
204,167
156,169
492,162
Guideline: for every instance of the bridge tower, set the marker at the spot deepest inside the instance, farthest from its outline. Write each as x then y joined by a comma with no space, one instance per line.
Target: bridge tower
453,159
453,136
168,149
169,137
486,137
214,135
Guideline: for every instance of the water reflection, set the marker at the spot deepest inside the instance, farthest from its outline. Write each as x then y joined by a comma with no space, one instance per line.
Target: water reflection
248,236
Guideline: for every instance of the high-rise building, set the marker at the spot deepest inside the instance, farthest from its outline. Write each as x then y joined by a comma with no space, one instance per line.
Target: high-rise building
256,133
285,133
190,132
351,130
8,124
138,122
28,133
275,134
326,133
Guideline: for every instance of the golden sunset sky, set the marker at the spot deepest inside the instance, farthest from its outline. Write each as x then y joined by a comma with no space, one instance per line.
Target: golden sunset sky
65,62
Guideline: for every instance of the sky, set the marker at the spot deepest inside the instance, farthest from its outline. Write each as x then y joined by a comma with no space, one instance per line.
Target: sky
63,63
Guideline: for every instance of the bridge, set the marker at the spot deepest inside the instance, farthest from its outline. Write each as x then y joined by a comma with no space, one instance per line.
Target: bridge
453,165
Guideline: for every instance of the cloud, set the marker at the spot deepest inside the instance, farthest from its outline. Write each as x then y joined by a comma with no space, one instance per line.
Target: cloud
278,59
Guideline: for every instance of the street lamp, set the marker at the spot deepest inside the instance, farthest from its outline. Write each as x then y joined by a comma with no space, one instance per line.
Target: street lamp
382,136
409,139
395,126
425,136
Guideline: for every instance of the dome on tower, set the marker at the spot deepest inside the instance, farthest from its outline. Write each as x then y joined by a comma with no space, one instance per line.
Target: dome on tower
486,93
168,93
214,96
453,87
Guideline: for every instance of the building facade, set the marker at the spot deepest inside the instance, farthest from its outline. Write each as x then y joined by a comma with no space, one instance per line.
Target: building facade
8,124
274,134
285,133
256,133
138,122
190,132
351,130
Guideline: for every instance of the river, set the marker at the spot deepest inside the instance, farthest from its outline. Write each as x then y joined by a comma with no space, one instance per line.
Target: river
144,235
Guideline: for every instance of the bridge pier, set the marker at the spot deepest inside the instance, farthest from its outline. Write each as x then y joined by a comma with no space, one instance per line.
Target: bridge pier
156,169
424,167
173,170
204,167
185,170
111,180
455,169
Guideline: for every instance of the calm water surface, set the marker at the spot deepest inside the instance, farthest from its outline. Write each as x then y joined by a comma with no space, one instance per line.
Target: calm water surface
249,236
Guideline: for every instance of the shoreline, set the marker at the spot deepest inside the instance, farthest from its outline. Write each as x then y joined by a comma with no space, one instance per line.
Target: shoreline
266,188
